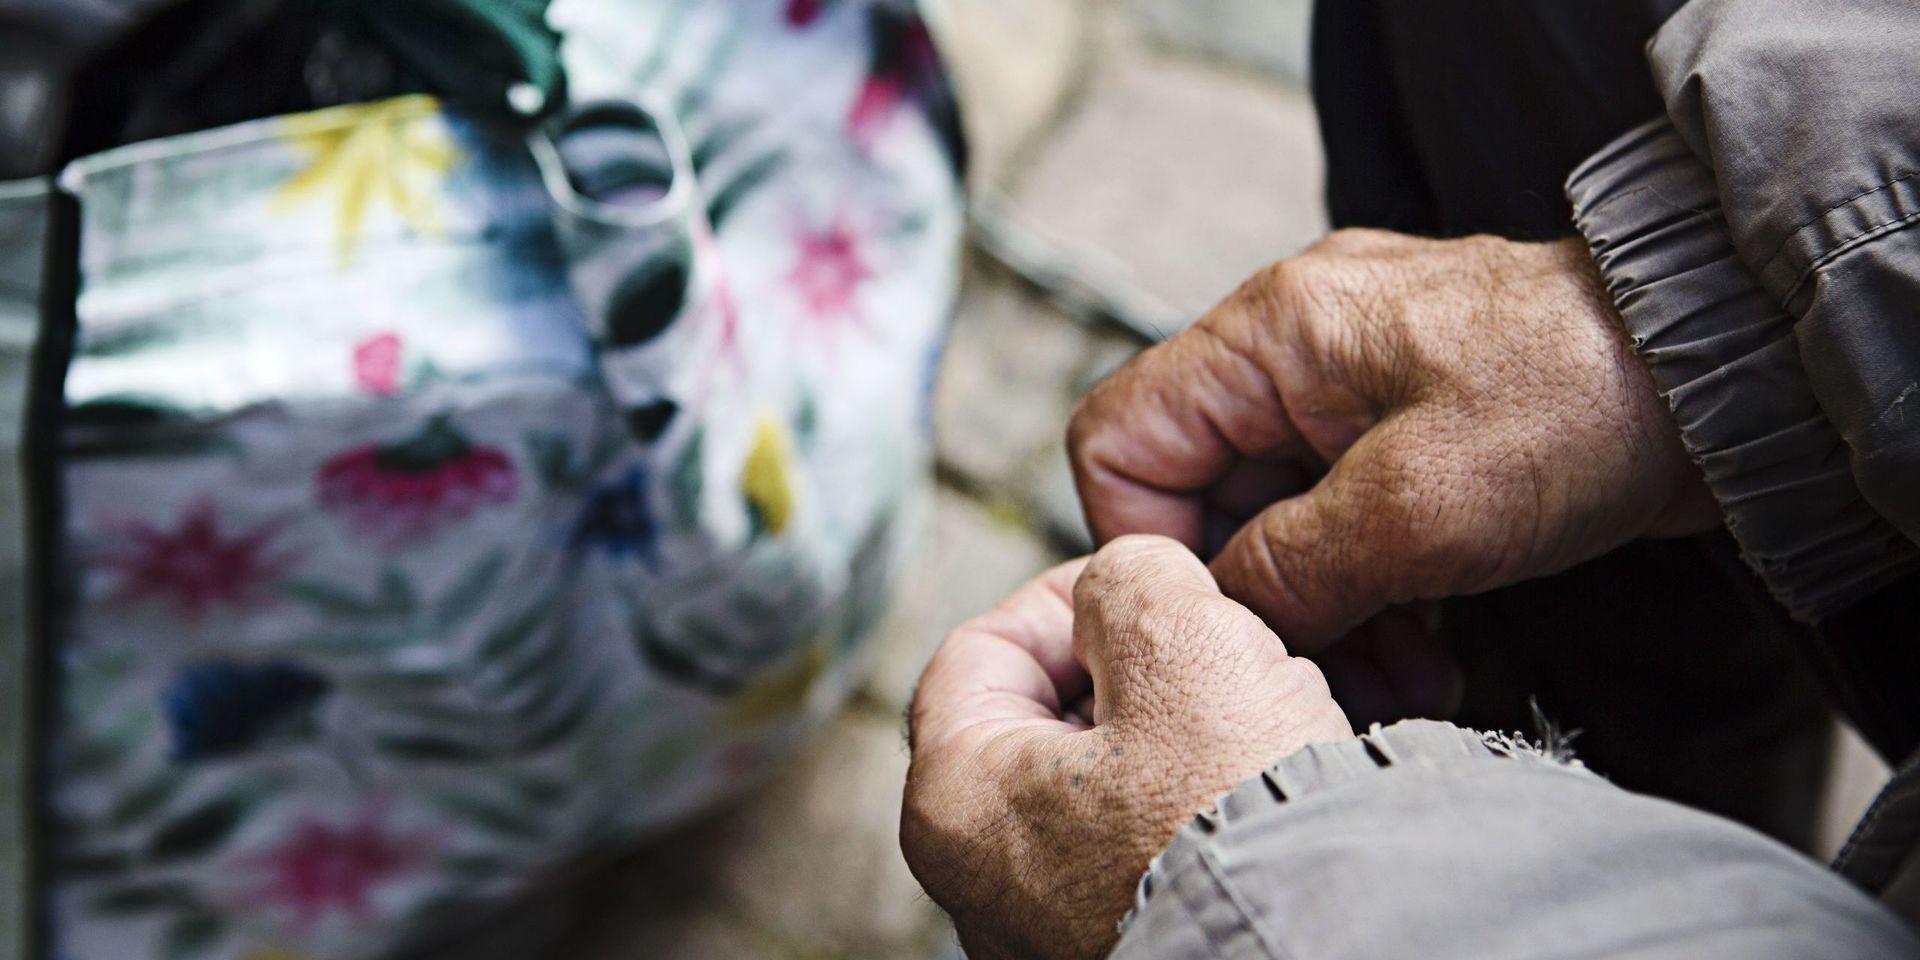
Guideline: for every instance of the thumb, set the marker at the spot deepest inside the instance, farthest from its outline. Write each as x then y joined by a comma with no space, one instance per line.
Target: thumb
1316,565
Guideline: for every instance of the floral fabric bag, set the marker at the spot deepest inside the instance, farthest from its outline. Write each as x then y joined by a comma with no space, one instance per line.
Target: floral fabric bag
443,504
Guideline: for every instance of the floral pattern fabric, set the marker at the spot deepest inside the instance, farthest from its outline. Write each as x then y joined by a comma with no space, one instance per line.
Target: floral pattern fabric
443,506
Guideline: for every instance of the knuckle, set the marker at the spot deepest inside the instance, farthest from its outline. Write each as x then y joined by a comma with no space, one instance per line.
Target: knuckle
1303,677
1127,557
1182,625
1287,282
1300,684
1085,419
1348,240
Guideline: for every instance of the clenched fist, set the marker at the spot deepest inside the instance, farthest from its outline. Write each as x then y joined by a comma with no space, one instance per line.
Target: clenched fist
1385,419
1029,817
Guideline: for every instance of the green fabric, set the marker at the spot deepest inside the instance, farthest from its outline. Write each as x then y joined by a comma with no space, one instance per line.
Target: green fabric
472,52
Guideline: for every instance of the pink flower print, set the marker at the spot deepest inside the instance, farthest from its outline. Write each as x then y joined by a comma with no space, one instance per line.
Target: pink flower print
802,13
396,494
875,107
376,365
726,310
195,565
321,867
725,306
829,272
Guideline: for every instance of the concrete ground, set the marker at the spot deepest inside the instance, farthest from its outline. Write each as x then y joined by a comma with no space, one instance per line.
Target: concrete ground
1168,149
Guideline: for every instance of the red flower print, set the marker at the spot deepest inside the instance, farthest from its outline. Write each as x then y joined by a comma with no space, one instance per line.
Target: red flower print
398,493
195,565
875,107
376,364
829,272
321,867
801,13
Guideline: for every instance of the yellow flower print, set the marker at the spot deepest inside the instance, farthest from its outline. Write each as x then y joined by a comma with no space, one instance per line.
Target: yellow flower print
276,953
779,697
767,478
364,154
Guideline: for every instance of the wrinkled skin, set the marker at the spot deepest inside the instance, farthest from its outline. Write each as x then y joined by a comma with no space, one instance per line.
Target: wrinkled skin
1031,823
1479,414
1378,422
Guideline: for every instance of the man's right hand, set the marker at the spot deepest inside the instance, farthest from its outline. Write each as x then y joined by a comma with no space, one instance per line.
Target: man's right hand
1479,417
1031,822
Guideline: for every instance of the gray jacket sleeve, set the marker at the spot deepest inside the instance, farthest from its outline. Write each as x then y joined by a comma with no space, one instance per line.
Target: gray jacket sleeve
1759,242
1425,840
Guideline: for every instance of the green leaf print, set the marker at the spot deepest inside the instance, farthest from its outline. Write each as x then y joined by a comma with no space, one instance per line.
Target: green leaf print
687,480
191,935
433,749
514,632
102,751
646,302
332,600
568,721
728,197
469,592
201,829
353,644
500,820
474,866
435,712
535,790
396,592
717,142
93,863
649,421
148,798
806,423
144,898
552,460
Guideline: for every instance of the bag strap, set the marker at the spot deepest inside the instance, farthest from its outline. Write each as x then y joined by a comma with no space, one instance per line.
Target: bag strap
36,242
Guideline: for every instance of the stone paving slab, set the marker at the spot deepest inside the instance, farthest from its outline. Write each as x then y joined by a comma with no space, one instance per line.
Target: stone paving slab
1015,64
807,867
971,558
1015,367
1181,177
1006,384
1265,35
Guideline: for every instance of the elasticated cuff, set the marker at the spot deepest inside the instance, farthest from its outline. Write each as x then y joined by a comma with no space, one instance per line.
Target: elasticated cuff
1200,910
1724,355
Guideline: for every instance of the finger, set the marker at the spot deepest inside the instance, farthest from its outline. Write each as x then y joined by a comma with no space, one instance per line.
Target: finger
1315,566
1148,442
1147,614
1183,667
1248,487
1014,664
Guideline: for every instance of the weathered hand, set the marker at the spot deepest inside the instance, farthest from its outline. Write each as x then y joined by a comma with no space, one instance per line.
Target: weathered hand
1031,825
1482,415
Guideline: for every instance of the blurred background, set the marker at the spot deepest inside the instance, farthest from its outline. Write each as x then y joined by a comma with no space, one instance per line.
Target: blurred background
1131,163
